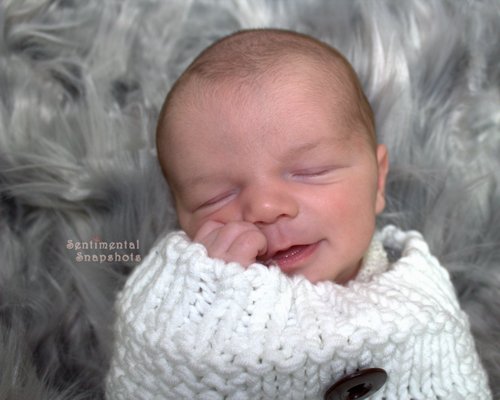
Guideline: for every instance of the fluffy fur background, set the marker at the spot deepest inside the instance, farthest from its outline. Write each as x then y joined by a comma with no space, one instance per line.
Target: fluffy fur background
81,83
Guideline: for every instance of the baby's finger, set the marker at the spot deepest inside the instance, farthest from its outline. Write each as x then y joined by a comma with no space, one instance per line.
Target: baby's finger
247,247
207,232
221,239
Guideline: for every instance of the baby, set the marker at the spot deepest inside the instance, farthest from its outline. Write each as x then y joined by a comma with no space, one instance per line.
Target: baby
278,286
268,144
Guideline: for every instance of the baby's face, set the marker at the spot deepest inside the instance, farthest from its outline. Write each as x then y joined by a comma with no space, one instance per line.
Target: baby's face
280,157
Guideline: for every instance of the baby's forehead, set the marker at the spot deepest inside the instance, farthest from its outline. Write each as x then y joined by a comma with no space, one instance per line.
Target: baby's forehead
293,94
289,83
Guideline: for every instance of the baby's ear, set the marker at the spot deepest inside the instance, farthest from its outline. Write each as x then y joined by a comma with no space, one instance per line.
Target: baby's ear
383,168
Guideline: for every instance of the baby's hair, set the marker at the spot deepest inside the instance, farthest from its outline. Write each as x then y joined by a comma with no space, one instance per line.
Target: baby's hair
247,55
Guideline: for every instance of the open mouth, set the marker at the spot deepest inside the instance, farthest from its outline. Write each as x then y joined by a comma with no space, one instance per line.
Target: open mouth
291,258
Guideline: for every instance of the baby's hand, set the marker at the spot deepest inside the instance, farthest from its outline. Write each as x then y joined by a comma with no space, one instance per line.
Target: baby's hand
241,242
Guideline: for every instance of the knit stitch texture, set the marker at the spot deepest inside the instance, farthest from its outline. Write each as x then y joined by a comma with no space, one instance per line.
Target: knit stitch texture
192,327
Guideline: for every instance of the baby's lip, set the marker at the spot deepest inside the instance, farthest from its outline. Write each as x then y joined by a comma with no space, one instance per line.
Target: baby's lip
271,252
287,258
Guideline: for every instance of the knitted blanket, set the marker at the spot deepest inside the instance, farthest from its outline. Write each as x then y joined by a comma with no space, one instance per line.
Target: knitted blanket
192,327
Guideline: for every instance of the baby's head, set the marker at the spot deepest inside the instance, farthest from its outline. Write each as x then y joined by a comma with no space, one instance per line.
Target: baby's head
270,129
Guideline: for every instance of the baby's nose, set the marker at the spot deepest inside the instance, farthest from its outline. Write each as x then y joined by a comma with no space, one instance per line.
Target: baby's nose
267,205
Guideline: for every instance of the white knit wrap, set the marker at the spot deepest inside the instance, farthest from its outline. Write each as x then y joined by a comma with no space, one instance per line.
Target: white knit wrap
191,327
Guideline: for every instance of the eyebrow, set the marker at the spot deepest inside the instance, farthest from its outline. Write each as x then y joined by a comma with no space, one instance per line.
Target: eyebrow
196,179
306,147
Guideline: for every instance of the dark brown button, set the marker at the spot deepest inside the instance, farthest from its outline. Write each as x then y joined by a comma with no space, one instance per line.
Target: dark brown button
358,385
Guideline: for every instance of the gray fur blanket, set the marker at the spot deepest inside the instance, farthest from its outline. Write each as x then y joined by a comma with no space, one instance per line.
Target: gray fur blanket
82,198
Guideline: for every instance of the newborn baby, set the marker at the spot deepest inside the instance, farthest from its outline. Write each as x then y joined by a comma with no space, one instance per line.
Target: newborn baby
278,286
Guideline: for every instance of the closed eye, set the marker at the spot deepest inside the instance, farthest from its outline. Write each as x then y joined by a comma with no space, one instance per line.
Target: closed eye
320,175
219,199
314,172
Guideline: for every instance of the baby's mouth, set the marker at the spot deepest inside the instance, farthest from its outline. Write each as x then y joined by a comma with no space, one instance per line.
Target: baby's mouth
289,259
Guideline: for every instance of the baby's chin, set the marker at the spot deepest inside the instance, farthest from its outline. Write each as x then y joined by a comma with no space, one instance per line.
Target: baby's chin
348,275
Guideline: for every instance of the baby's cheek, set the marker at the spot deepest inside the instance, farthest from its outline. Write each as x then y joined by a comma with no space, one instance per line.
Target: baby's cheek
338,201
228,213
188,223
346,207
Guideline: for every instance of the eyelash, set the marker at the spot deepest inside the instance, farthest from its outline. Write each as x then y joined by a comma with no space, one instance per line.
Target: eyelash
312,173
215,200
